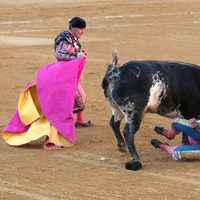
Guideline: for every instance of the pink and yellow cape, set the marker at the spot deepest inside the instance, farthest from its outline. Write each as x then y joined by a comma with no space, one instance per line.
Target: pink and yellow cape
45,108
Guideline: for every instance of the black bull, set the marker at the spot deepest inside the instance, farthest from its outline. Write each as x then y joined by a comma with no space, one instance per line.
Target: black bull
171,89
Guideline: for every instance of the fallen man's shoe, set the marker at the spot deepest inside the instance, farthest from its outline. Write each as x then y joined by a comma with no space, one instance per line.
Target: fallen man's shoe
159,130
156,143
85,125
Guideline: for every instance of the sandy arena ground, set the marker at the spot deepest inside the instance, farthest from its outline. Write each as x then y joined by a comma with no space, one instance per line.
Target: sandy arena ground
140,29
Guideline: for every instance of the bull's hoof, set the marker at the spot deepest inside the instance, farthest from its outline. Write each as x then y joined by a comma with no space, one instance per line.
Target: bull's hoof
133,165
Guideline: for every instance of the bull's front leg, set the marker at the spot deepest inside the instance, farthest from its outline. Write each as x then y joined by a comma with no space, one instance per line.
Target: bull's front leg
115,122
129,133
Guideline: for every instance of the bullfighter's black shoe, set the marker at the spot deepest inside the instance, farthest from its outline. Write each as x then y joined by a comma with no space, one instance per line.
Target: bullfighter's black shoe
85,125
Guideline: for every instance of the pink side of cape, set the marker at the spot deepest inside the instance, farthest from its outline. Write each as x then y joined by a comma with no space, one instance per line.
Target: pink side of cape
56,85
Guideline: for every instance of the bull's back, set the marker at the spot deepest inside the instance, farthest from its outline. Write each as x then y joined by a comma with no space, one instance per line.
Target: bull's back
181,82
184,75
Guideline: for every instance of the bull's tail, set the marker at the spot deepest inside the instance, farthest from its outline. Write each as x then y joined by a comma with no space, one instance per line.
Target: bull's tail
112,71
111,75
114,59
106,78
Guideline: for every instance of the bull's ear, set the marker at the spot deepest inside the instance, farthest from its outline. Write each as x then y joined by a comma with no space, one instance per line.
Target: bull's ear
114,57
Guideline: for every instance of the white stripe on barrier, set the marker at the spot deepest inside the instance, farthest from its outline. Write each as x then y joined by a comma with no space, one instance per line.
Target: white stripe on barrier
107,17
106,26
21,22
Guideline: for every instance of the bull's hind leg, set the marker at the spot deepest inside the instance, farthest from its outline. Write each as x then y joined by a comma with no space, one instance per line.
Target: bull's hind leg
129,132
115,122
132,110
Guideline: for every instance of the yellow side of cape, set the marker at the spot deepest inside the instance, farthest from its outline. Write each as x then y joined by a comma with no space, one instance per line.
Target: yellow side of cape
30,114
